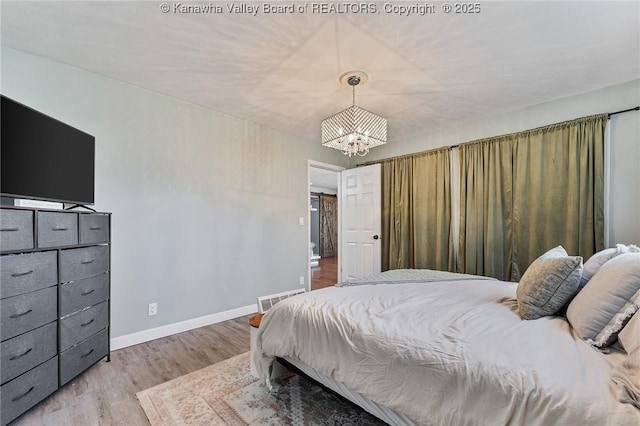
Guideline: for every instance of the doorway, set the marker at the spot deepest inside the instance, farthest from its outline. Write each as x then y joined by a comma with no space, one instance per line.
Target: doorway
324,219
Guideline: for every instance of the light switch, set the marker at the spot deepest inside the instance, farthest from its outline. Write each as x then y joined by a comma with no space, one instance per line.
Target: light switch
301,221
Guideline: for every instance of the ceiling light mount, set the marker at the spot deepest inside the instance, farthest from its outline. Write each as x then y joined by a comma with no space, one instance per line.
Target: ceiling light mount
355,130
353,80
346,77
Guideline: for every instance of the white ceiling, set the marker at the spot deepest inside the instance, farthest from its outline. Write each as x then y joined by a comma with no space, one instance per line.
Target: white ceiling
282,70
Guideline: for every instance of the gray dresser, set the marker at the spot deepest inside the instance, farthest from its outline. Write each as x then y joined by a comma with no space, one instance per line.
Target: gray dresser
54,301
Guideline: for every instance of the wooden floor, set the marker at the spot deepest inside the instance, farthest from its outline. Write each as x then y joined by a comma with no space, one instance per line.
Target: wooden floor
325,274
105,394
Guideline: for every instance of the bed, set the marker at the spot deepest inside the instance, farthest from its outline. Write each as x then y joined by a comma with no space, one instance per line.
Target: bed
437,348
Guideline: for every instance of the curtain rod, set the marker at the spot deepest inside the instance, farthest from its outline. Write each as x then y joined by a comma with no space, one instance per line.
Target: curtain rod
625,110
608,116
457,145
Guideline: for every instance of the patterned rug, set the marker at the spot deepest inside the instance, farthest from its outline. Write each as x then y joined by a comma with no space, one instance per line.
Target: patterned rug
226,394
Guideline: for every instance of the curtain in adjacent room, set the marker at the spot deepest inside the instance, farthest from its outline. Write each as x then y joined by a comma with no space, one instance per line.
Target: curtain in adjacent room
524,193
328,225
416,211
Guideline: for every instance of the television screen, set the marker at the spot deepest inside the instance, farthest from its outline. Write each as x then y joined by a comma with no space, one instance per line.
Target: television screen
44,159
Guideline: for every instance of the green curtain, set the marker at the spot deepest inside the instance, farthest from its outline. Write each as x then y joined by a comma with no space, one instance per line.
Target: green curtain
524,193
485,240
558,187
416,211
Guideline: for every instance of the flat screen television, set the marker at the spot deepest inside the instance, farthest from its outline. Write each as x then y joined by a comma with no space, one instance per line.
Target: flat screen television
42,158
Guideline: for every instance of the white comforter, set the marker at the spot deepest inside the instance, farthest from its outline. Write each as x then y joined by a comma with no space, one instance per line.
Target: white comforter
447,353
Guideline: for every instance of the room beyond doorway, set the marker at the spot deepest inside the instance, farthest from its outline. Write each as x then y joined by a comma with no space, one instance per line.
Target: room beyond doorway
323,225
325,274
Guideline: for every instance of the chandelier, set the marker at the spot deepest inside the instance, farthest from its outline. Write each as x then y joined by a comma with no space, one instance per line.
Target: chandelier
355,130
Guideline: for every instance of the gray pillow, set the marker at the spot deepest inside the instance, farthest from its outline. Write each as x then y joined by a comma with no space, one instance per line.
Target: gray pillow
548,284
596,261
609,299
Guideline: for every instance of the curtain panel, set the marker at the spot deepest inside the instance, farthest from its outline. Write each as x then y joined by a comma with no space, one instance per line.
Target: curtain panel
485,239
558,187
416,211
524,193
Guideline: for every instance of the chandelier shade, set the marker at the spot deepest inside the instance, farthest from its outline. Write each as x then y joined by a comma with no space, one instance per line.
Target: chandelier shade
355,130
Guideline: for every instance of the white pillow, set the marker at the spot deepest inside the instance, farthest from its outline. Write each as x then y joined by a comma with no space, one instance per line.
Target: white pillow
631,248
595,262
608,300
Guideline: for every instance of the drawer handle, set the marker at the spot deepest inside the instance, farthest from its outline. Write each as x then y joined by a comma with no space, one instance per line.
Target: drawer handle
13,358
86,262
87,354
95,228
22,274
9,229
86,293
87,323
19,397
60,229
20,315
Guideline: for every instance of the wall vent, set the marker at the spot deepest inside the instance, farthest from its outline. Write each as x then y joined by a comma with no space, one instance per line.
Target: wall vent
266,302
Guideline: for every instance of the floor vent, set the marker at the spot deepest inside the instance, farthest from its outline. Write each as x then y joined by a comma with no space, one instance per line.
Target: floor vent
266,302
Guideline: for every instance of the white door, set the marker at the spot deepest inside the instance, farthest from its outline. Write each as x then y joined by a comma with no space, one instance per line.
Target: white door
361,222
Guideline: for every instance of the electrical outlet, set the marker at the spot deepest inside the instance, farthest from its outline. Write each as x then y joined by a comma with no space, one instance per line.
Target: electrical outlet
153,309
301,280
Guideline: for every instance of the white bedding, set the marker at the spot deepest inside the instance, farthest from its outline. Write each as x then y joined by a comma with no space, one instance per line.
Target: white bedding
447,353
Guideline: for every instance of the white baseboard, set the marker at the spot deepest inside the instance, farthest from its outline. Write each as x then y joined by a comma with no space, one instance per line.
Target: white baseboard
179,327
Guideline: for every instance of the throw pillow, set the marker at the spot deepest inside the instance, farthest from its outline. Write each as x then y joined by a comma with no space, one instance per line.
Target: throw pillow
548,284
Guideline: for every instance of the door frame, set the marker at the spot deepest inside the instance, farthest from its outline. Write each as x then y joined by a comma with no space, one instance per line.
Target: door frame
333,168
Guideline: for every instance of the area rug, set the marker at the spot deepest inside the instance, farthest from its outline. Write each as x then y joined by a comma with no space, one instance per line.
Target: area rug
226,394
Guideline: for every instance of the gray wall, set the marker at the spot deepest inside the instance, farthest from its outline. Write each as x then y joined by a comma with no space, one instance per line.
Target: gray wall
624,224
205,205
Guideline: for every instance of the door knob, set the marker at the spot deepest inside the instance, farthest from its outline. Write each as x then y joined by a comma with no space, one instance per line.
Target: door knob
376,237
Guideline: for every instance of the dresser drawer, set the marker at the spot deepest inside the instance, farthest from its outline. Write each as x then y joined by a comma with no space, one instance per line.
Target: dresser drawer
16,229
22,273
19,314
25,391
80,357
24,352
85,262
57,229
77,327
94,228
77,295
